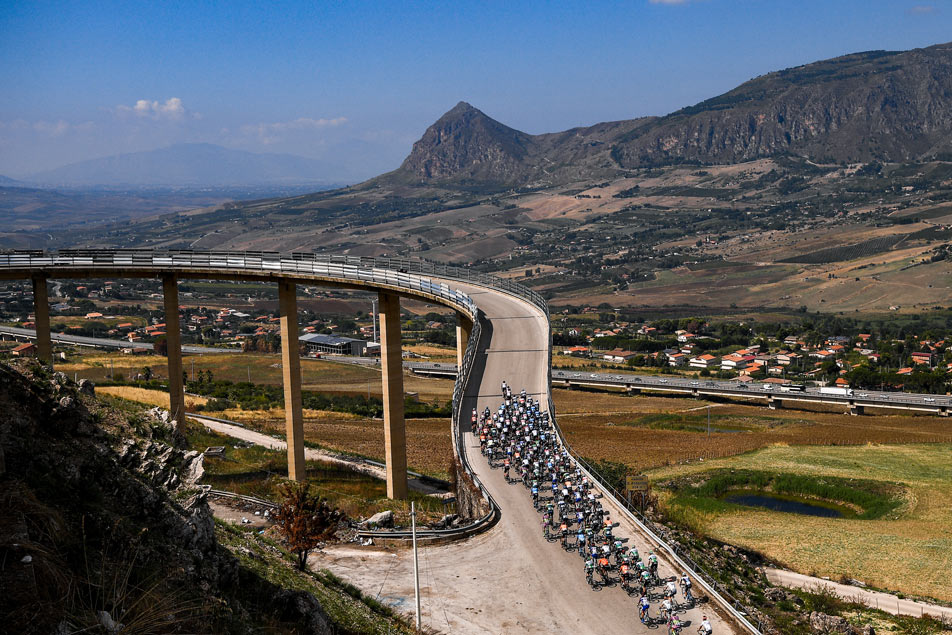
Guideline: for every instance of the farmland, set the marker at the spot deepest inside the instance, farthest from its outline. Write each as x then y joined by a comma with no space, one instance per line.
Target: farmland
910,553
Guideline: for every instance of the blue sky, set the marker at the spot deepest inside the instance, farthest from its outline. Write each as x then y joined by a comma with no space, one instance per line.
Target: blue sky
360,81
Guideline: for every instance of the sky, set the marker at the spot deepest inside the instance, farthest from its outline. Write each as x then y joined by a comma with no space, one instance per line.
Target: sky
358,82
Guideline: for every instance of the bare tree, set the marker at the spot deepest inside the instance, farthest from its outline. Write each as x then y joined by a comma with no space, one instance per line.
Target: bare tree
305,520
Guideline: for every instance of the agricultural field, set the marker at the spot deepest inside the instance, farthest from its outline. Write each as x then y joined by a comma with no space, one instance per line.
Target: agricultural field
908,551
318,375
644,432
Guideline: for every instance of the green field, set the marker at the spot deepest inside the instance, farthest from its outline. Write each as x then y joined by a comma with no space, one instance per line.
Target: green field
909,550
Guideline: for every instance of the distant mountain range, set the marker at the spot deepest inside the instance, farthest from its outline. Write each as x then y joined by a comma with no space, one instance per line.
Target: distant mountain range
193,164
7,181
878,105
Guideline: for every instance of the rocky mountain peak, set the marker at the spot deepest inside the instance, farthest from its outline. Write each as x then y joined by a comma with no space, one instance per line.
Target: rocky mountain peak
466,143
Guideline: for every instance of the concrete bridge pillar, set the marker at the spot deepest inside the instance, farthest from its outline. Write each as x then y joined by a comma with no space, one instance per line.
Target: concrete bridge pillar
774,404
857,410
394,425
464,326
41,313
291,367
632,391
173,339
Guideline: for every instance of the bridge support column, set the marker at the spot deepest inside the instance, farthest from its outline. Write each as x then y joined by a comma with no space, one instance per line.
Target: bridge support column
41,313
464,326
857,410
944,412
394,425
173,339
774,404
291,367
633,391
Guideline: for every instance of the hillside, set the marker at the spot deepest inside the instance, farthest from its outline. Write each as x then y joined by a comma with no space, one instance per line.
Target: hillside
194,164
878,105
102,525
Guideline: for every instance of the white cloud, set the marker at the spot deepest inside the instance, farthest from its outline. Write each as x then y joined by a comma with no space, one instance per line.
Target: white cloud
921,9
273,132
172,110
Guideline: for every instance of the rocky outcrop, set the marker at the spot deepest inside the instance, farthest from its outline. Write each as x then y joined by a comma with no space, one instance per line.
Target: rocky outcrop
91,502
823,623
465,143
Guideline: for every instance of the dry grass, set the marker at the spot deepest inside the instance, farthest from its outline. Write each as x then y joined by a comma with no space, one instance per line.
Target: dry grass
911,554
429,444
148,396
595,426
434,352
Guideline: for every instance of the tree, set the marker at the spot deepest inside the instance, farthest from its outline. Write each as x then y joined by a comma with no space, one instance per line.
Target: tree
305,520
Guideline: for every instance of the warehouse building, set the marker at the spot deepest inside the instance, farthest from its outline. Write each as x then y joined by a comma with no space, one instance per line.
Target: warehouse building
320,343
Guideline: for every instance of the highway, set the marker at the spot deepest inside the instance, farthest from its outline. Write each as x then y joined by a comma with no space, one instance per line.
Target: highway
101,342
769,393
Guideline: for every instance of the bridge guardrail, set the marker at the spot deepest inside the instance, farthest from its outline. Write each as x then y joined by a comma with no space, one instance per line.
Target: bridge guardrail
392,272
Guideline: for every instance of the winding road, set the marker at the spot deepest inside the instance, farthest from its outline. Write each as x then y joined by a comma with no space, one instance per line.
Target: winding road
509,579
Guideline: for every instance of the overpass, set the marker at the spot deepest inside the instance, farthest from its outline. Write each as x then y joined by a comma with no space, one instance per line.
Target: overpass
503,334
391,279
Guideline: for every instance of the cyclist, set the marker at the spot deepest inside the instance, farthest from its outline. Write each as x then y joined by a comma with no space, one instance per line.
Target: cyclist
590,571
670,590
643,606
674,625
653,564
666,609
705,628
686,588
625,576
645,582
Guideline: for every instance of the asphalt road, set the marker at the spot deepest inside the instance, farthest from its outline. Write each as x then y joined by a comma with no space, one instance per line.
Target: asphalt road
552,595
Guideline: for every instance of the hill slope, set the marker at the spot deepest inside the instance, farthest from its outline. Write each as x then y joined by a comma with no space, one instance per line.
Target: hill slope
879,105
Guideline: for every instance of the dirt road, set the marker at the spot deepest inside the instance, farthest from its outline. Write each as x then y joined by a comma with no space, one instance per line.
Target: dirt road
509,580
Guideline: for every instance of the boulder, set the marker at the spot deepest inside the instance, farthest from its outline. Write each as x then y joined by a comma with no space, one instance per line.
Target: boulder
380,519
823,623
87,387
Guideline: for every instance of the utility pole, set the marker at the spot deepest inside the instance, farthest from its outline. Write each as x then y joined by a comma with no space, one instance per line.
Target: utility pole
416,566
708,420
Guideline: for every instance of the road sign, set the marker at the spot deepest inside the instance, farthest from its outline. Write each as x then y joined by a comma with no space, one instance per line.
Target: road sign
637,483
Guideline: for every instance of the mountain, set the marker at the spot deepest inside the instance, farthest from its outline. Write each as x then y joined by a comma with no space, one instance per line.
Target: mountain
6,181
193,164
466,147
465,141
878,105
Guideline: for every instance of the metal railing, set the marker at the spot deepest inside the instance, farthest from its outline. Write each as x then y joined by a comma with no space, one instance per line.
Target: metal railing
392,273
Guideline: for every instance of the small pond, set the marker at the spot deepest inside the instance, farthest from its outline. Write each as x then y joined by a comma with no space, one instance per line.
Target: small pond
791,504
